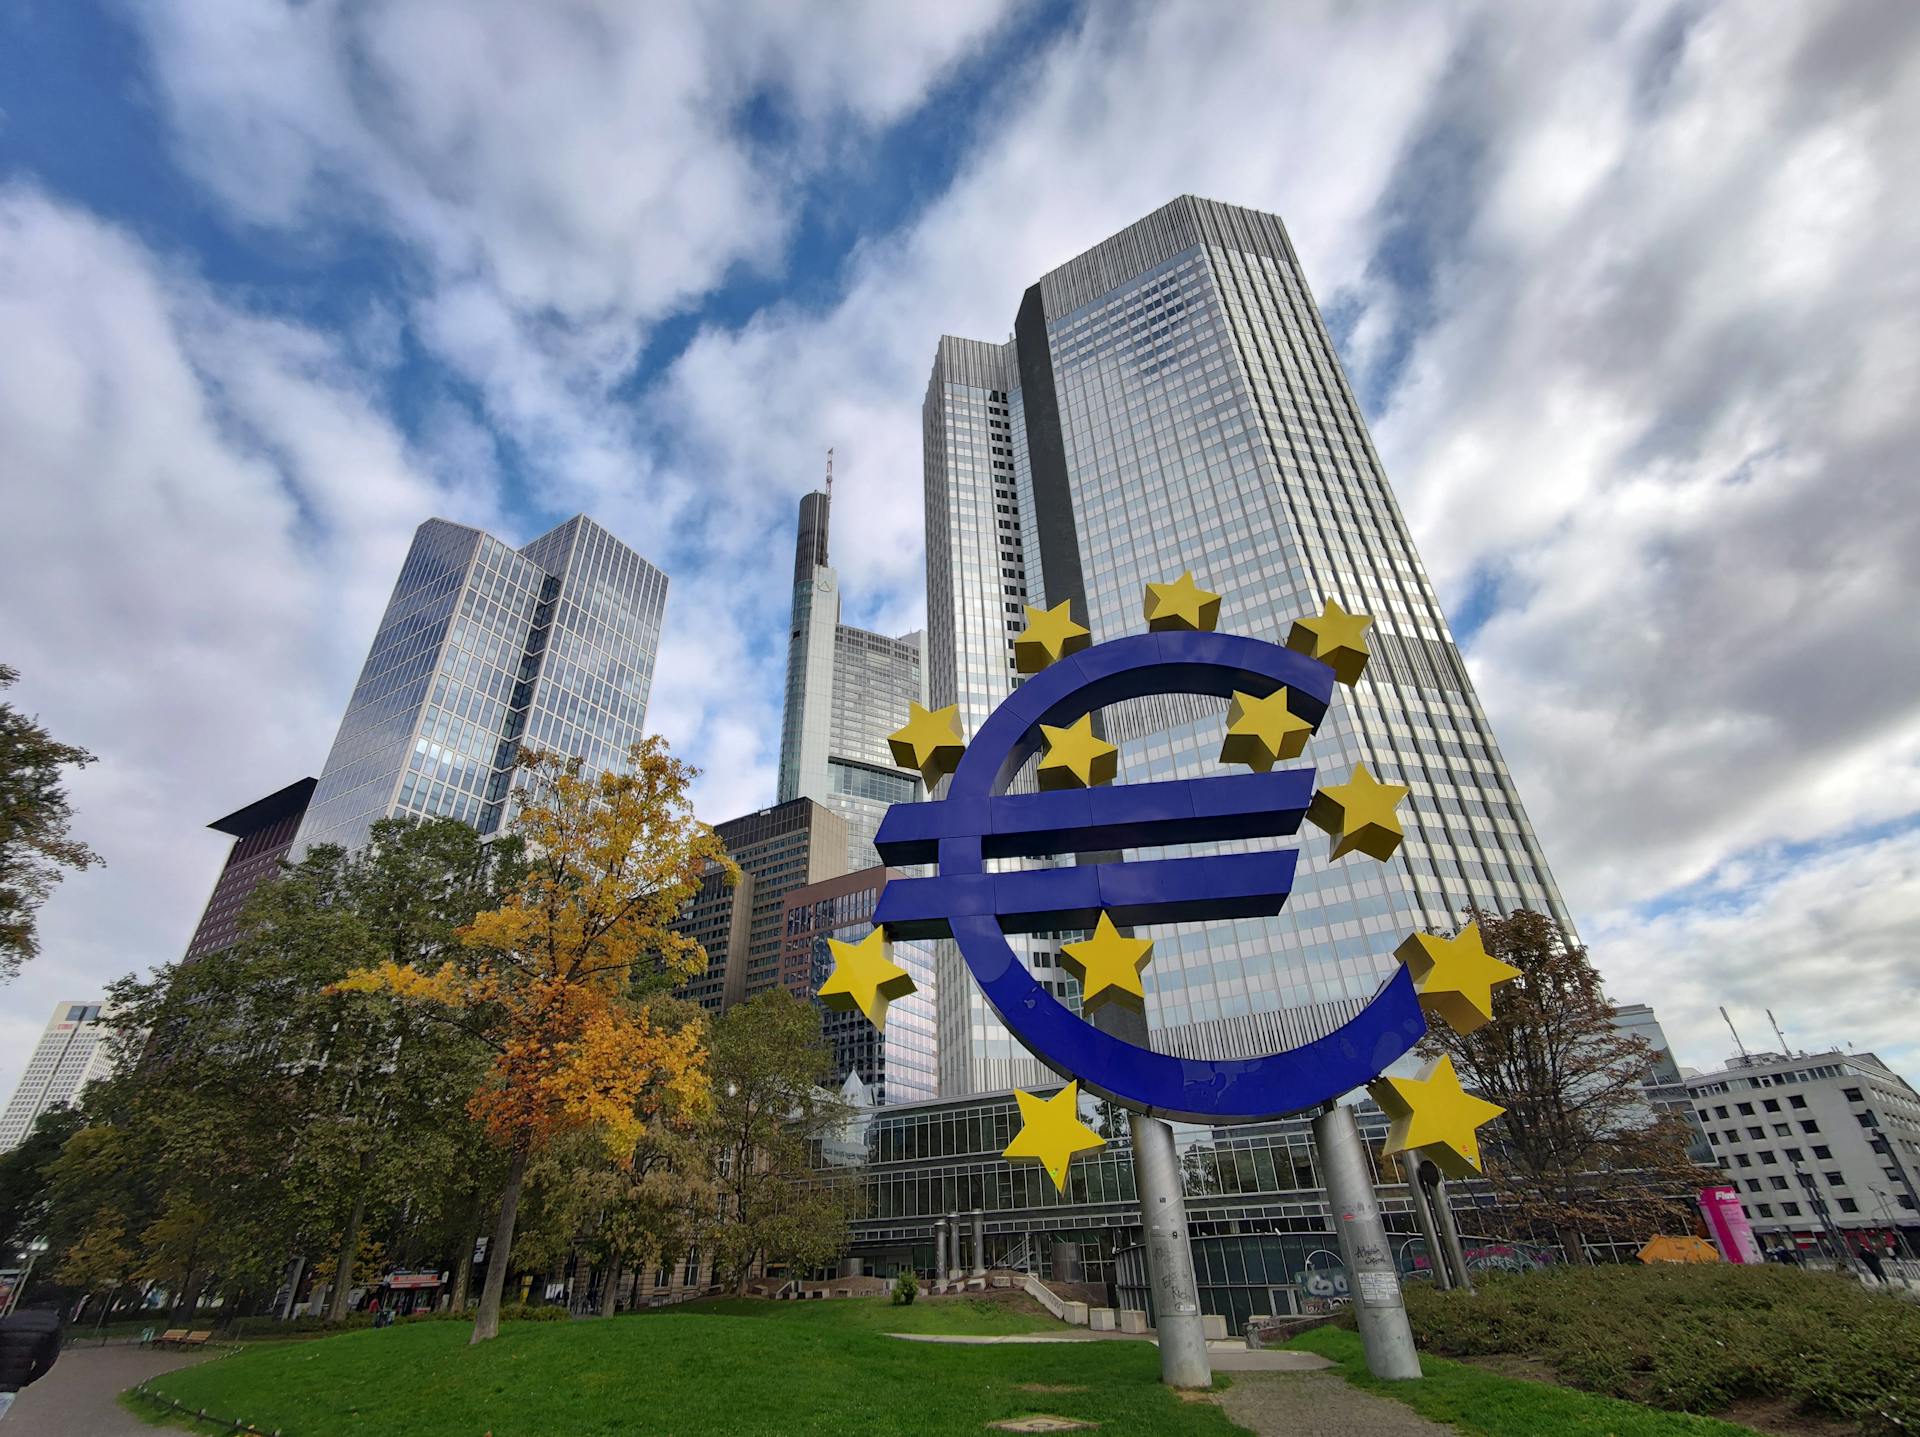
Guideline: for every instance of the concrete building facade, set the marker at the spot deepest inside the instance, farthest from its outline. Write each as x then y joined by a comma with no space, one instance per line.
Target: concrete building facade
262,832
1171,401
72,1051
1816,1143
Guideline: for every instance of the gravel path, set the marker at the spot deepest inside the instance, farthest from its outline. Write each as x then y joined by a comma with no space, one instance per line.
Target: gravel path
1318,1404
80,1396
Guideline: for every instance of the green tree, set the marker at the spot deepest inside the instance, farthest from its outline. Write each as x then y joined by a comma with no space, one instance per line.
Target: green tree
26,1180
771,1113
547,980
34,814
1579,1152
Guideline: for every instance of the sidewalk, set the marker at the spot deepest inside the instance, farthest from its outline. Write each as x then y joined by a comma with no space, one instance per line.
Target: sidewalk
80,1396
1293,1404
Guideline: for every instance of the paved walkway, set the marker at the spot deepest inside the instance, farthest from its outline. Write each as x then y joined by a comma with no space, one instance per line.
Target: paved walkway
1225,1356
80,1396
1319,1404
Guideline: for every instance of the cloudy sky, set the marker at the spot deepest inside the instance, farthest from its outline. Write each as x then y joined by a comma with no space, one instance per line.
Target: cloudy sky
1629,291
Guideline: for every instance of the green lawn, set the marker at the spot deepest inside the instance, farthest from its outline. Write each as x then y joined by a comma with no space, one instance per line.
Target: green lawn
786,1368
951,1315
1485,1404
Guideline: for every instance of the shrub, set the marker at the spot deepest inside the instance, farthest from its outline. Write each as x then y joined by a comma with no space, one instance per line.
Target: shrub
526,1312
906,1287
1694,1339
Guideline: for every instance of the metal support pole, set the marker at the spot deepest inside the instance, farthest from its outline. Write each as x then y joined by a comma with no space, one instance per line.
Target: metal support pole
1449,1229
956,1266
1377,1304
979,1243
940,1250
1163,1220
1437,1263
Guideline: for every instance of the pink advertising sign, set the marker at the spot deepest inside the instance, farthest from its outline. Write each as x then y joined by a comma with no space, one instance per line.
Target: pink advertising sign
1727,1224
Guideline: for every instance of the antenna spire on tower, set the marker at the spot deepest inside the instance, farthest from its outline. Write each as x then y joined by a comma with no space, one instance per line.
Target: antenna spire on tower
1736,1034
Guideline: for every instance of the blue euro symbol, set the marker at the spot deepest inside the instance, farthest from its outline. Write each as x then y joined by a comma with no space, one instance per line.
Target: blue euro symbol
979,820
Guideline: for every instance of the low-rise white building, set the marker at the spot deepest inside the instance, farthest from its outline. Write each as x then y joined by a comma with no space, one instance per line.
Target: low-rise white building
1815,1142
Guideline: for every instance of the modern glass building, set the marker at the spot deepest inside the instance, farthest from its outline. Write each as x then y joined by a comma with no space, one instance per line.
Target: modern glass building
895,1065
847,689
263,832
484,649
1171,401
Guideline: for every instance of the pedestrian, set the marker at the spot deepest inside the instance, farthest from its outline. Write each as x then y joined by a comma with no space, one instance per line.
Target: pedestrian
1872,1260
29,1345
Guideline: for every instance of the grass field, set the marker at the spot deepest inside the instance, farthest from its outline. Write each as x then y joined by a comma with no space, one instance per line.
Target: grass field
725,1367
1485,1404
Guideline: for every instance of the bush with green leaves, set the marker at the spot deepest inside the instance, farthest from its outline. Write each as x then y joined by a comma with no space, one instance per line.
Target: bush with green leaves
1696,1338
906,1287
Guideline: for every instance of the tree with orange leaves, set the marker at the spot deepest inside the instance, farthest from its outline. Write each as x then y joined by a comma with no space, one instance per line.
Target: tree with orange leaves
548,978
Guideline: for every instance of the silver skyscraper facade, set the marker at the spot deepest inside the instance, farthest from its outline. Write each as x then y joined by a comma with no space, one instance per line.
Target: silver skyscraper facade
847,689
484,649
1171,401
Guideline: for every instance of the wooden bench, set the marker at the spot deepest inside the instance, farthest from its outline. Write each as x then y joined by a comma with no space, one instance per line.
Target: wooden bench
197,1339
170,1336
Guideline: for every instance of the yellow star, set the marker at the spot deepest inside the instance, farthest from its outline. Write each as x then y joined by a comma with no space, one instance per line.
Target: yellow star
1075,758
1336,638
1261,732
1051,1130
1108,966
1359,814
865,977
1051,635
1433,1112
1182,604
930,742
1455,977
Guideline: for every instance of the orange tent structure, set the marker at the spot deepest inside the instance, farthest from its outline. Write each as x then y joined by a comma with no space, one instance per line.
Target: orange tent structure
1665,1248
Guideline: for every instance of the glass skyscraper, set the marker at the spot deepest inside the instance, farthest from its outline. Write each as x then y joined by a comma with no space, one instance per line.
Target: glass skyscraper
484,649
847,689
1170,401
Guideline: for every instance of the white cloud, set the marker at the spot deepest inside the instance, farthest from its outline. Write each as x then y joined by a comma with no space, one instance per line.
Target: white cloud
205,511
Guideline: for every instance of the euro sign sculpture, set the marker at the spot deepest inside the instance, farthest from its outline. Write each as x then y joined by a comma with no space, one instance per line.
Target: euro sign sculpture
978,821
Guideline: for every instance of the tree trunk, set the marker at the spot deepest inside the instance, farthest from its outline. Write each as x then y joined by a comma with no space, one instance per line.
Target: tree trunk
463,1271
486,1322
610,1285
183,1304
343,1266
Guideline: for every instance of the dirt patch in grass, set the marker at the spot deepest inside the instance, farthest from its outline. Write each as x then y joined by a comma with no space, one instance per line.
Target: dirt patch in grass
1047,1387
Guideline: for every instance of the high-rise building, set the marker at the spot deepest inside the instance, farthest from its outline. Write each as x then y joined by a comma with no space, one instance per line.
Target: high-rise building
72,1052
895,1064
263,832
1664,1084
484,649
847,689
1171,401
1820,1146
778,849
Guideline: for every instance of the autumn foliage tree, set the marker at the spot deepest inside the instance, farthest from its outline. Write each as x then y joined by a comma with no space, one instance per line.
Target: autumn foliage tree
547,979
1579,1153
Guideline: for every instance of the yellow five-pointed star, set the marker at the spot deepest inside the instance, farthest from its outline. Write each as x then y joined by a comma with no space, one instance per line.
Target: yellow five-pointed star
1051,634
1360,815
1108,966
1261,732
1182,604
1051,1131
1075,758
930,742
1336,638
1433,1112
1455,977
865,977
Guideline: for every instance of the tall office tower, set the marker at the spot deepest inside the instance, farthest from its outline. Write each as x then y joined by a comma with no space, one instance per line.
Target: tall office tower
1171,401
262,832
484,649
72,1052
847,689
895,1064
778,849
